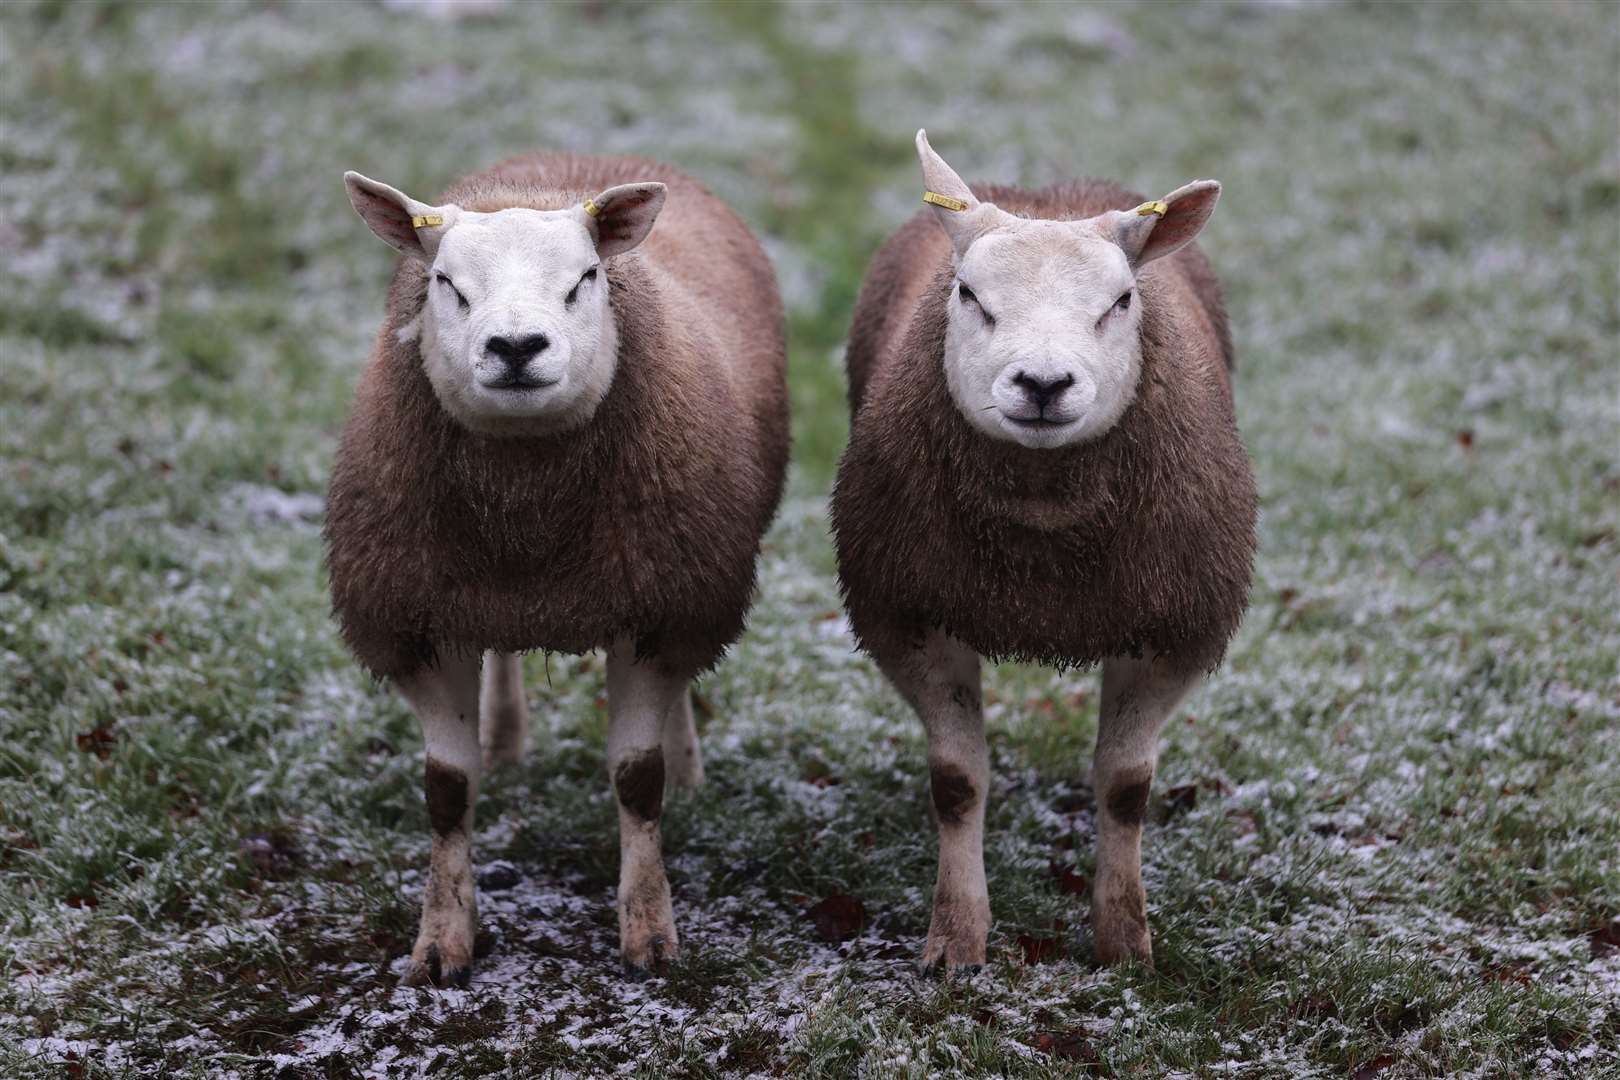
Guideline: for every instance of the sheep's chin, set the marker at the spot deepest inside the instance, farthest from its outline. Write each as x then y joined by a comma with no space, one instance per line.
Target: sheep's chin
515,423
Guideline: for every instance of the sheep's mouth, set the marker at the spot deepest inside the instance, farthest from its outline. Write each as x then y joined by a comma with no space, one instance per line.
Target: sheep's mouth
519,383
1036,423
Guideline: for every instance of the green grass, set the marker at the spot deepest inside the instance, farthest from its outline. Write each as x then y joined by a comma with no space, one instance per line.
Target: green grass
1384,834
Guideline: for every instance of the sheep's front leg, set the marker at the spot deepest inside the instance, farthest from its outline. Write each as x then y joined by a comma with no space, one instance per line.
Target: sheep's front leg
503,710
939,676
683,757
1138,696
445,698
642,695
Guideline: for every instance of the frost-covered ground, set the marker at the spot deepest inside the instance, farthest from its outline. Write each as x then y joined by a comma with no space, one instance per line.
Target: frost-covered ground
1385,836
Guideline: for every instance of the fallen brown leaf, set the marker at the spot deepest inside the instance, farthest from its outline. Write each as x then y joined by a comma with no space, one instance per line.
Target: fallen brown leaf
1180,799
275,854
1373,1068
1605,940
1066,1045
98,741
1507,973
1069,880
838,917
1040,949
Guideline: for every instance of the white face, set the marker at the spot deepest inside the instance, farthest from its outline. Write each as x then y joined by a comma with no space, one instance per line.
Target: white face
517,336
1041,337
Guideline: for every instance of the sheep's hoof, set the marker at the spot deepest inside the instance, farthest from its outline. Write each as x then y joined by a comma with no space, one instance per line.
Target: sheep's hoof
653,957
1112,954
953,955
940,969
1122,944
436,967
957,934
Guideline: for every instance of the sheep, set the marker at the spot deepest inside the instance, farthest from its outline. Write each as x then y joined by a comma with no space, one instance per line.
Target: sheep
572,434
1043,466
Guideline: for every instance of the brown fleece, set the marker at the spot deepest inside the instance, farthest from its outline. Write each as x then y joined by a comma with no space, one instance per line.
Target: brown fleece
645,521
1140,539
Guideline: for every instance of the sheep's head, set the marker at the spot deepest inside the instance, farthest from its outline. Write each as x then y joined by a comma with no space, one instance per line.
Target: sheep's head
516,335
1042,335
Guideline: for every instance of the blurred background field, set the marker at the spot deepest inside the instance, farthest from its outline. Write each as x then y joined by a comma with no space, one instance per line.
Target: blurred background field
1385,833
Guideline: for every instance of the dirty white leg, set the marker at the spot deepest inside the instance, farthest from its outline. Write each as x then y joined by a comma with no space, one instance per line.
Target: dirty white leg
445,698
940,678
683,757
641,696
1138,696
503,710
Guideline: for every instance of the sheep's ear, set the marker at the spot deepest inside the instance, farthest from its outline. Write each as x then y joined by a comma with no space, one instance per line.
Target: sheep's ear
411,227
621,217
1165,226
955,206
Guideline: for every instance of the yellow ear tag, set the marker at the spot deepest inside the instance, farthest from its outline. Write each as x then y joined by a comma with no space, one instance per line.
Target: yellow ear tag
944,201
591,208
1157,206
422,221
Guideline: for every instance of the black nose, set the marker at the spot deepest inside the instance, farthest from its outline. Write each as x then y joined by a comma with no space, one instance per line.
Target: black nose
517,351
1042,393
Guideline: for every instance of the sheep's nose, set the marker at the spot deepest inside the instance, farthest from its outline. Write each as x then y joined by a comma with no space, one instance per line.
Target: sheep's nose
517,351
1042,392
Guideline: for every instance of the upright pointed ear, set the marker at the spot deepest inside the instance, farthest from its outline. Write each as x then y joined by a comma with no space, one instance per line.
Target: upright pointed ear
411,227
956,208
1165,226
621,217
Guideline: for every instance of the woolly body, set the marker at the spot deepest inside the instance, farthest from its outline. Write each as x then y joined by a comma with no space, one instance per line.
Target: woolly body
1139,540
644,522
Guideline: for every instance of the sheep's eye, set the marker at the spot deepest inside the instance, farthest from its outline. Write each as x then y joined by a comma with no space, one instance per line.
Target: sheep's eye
573,294
462,300
1122,305
969,297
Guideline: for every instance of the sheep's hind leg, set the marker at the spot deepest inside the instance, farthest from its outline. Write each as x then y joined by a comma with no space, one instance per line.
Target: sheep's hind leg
683,757
445,698
1138,696
939,676
503,710
642,695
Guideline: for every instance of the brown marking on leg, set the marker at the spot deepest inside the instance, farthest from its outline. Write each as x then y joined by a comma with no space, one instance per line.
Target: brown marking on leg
446,789
639,782
1128,796
965,697
953,793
